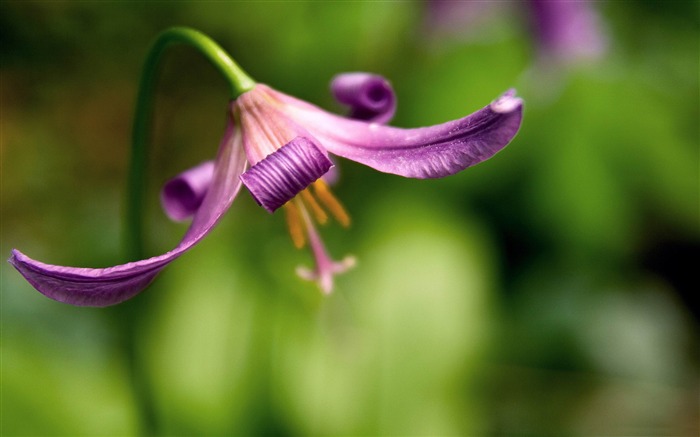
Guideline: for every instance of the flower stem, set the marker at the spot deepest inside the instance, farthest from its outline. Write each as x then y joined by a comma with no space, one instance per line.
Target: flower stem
130,317
239,82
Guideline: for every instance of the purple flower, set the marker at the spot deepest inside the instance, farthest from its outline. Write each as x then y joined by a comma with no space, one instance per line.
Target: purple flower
278,147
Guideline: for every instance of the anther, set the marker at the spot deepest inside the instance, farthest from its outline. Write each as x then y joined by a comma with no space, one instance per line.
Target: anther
332,204
319,214
294,224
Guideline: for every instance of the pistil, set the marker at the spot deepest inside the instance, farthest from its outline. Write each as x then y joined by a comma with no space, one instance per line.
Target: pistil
301,212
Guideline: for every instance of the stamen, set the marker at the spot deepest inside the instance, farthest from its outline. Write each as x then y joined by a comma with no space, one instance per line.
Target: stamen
294,224
331,203
319,213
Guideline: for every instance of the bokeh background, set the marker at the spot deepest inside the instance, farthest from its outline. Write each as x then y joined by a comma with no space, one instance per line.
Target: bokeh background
548,291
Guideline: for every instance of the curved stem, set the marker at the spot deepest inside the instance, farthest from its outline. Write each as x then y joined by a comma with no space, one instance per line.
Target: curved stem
239,82
129,317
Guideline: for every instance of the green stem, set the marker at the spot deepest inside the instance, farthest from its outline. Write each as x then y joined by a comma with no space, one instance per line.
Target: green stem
130,317
238,81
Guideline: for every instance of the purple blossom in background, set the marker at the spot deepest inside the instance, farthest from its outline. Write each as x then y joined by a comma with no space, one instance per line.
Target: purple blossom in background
564,31
278,147
567,31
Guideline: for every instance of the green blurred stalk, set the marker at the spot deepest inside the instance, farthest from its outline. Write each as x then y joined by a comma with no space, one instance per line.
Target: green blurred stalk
239,82
129,316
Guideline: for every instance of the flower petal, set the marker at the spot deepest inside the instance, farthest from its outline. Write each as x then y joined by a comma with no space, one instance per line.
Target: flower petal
182,195
369,96
286,172
427,152
108,286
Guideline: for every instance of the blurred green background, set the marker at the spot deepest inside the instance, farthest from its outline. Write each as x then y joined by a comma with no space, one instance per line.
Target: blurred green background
548,291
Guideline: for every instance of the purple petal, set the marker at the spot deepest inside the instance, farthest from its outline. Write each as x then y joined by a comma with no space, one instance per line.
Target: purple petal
369,96
112,285
286,172
182,195
427,152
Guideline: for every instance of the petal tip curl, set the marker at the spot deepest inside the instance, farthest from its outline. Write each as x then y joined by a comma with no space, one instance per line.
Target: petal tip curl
506,103
369,96
182,195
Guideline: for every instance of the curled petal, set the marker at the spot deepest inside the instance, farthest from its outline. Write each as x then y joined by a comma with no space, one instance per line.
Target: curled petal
286,172
182,195
427,152
369,96
108,286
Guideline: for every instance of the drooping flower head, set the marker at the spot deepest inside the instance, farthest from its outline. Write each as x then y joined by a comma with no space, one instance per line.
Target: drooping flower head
279,147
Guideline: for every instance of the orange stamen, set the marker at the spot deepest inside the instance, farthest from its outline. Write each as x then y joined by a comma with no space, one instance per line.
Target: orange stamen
319,214
331,203
294,224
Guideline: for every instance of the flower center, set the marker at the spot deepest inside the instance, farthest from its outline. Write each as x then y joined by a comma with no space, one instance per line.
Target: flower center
319,201
287,164
266,128
315,204
285,173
